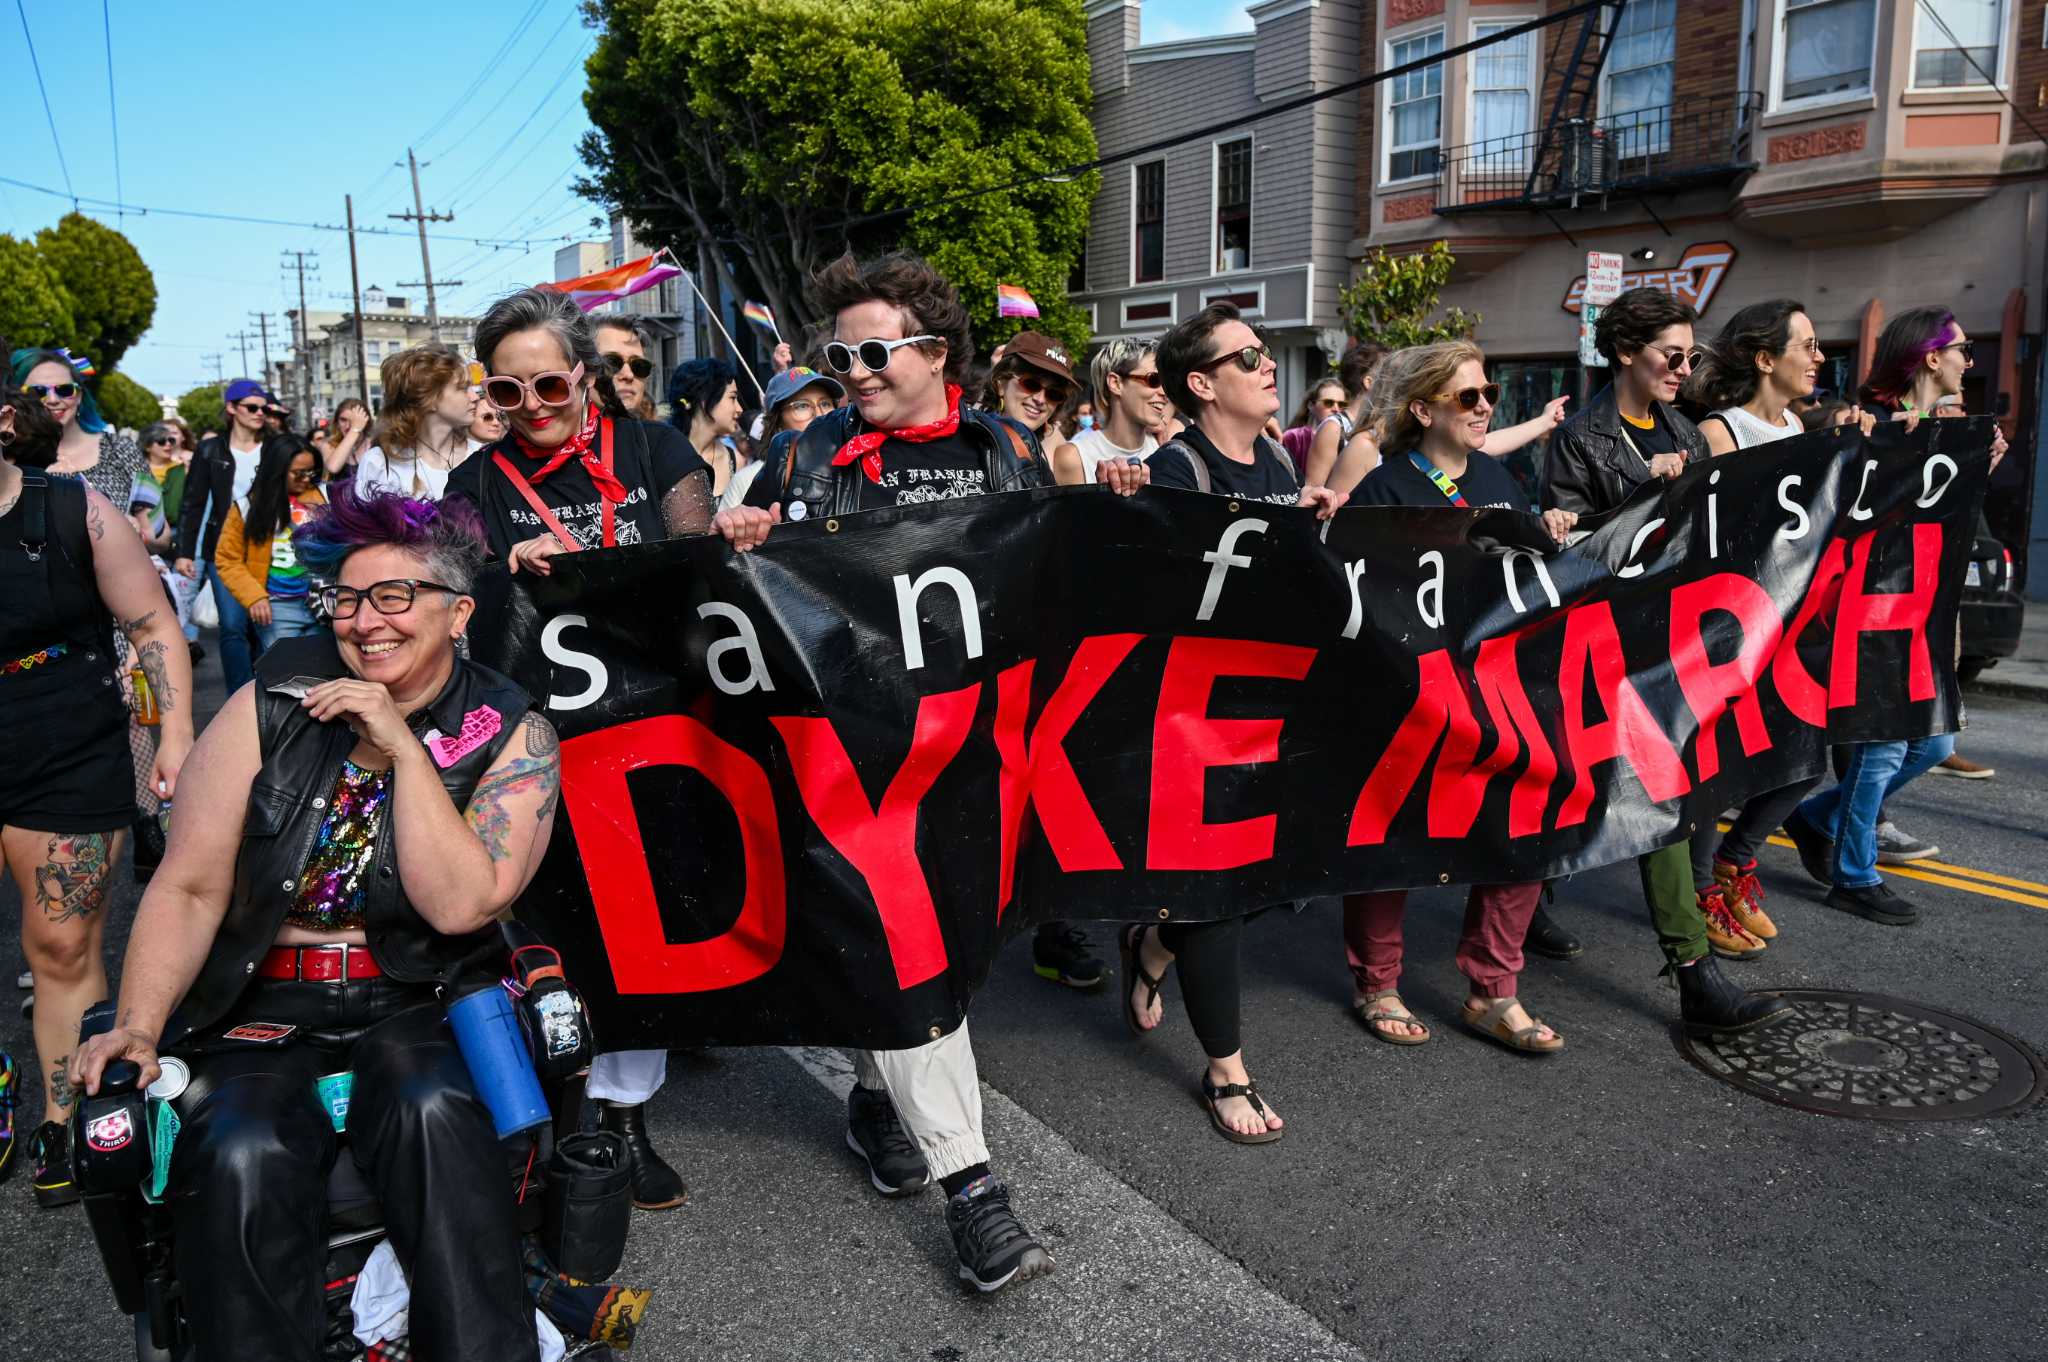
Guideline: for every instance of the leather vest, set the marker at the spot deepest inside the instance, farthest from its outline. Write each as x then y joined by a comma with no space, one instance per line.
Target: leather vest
1009,455
288,800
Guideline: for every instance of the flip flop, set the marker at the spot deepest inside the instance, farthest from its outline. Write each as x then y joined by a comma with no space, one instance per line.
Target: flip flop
1373,1009
1491,1024
1214,1093
1127,942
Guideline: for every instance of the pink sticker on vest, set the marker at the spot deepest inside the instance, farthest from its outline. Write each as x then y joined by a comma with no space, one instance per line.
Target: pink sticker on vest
479,726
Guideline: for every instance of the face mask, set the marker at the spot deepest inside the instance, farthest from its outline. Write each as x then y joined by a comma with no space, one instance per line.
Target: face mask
1087,422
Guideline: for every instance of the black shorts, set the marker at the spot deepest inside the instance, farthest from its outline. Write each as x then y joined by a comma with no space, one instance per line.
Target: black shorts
64,762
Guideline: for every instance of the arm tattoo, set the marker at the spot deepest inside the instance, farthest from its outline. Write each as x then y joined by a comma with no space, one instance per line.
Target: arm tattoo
92,519
541,739
138,624
72,880
489,818
156,670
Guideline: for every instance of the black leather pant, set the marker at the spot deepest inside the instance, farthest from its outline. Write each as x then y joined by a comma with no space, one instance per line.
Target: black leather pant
249,1178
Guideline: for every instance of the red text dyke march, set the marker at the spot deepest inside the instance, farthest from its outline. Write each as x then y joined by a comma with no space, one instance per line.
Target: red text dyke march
813,788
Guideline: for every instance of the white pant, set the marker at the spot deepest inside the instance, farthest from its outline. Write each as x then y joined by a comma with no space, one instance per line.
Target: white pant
627,1077
937,1091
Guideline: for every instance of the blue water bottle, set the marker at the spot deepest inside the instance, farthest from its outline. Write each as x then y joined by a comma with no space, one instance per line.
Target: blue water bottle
487,1032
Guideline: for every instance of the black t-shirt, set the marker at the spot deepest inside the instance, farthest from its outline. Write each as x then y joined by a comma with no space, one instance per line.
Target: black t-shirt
1266,478
1398,482
937,470
650,459
1658,439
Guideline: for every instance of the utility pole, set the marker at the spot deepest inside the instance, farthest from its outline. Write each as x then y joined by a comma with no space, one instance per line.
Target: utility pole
355,284
262,320
242,338
219,379
305,338
421,216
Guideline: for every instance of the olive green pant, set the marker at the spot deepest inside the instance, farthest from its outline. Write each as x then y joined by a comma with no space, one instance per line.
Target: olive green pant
1674,903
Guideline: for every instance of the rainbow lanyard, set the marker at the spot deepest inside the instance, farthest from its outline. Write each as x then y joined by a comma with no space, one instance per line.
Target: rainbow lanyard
1439,477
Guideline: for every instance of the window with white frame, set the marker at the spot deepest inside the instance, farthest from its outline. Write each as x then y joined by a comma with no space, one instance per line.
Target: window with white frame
1828,46
1637,101
1503,98
1415,108
1233,205
1148,222
1957,43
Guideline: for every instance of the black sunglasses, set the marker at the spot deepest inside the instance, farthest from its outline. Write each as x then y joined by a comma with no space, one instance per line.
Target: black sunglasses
1968,347
1033,384
1248,359
387,598
57,390
253,408
1468,398
639,364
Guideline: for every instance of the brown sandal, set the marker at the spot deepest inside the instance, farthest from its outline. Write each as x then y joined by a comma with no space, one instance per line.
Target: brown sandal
1372,1010
1491,1023
1212,1093
1127,943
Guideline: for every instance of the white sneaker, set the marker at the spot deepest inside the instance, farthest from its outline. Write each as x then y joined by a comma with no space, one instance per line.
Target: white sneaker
1897,848
25,980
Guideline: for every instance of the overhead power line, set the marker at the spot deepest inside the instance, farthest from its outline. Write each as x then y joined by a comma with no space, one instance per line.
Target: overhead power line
1989,79
113,117
42,89
504,49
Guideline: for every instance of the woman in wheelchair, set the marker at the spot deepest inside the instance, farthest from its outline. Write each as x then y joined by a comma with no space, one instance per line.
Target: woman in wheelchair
350,829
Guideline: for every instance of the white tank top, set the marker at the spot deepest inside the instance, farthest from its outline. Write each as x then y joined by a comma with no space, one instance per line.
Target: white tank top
1750,429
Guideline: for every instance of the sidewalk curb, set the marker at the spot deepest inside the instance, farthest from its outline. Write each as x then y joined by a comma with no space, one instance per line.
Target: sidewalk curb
2015,689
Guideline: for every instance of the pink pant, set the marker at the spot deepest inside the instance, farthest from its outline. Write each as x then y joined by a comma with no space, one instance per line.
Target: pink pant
1489,952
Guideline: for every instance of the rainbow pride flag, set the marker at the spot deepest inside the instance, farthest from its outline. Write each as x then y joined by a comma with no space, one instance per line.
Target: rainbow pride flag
760,316
608,286
1012,301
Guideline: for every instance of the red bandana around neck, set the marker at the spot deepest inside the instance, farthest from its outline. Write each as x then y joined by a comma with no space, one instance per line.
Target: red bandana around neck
867,446
578,447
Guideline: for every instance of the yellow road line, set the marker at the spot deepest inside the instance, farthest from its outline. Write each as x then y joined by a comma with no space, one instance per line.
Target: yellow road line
1948,876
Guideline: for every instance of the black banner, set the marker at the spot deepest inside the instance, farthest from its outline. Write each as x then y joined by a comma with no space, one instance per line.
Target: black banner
808,791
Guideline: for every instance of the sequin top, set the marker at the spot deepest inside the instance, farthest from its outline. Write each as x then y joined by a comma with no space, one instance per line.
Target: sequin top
335,881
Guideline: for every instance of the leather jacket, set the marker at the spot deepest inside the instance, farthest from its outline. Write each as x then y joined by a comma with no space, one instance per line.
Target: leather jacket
288,800
1591,469
209,491
1010,455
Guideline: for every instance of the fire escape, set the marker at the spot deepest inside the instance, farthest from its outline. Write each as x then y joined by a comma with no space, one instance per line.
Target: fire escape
1579,157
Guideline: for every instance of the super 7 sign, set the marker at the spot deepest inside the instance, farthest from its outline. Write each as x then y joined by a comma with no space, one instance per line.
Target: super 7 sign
1695,279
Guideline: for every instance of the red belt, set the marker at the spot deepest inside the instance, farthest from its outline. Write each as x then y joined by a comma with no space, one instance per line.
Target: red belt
319,964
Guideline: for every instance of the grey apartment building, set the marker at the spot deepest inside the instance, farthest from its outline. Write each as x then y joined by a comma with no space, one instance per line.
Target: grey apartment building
1259,216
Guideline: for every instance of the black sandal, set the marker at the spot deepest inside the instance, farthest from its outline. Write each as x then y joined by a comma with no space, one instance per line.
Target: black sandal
1127,943
1213,1093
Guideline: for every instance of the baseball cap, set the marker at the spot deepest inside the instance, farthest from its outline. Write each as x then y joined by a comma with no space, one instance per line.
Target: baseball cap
244,388
790,382
1041,352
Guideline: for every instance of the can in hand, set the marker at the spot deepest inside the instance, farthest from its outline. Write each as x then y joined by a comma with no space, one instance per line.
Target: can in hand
174,1079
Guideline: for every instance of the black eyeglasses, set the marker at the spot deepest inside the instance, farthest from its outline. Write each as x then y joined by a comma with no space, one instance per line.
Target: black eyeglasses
387,598
253,408
1686,360
639,364
874,355
57,390
1248,359
1469,398
1968,347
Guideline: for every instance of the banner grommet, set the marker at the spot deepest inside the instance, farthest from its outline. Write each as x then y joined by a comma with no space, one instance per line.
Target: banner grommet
832,526
1444,877
1162,914
1233,508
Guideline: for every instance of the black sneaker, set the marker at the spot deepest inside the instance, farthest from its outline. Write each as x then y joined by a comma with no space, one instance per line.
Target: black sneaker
875,1132
1548,939
1876,902
50,1152
1059,952
1816,848
994,1247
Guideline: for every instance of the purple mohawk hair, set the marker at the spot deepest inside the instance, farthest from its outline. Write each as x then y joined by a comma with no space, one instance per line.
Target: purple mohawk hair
448,534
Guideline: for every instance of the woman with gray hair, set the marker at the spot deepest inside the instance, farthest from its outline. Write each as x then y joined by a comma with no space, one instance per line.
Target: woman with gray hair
1130,408
574,472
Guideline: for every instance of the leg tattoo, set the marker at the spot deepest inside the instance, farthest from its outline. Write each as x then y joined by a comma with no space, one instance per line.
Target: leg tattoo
72,883
62,1094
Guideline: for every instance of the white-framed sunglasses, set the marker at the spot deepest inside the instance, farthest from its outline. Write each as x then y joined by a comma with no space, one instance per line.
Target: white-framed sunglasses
874,355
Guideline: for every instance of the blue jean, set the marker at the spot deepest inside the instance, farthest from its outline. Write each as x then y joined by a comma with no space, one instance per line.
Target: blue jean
1849,812
237,657
290,617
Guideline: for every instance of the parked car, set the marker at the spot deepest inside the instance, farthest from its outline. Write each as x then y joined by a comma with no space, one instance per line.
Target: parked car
1991,608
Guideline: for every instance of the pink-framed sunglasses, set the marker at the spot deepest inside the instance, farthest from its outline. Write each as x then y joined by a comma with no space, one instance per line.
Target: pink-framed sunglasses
507,393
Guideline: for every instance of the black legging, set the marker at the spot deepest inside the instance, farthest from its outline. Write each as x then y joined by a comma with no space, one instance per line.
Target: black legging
1206,953
1760,817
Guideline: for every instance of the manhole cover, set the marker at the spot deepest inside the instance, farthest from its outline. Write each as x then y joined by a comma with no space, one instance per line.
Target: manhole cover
1884,1059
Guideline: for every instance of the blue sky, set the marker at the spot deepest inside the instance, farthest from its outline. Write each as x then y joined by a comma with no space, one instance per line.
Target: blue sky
278,110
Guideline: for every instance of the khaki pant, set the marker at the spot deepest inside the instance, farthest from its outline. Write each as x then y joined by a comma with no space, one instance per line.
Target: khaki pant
937,1091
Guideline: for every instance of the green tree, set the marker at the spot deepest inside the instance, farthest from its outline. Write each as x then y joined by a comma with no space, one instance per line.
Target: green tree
113,294
34,307
774,127
203,409
127,403
1393,296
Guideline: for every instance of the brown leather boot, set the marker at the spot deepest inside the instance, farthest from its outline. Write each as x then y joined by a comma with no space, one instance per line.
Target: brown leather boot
1745,898
1728,938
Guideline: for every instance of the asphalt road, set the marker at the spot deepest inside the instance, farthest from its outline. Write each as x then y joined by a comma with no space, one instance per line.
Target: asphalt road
1451,1201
